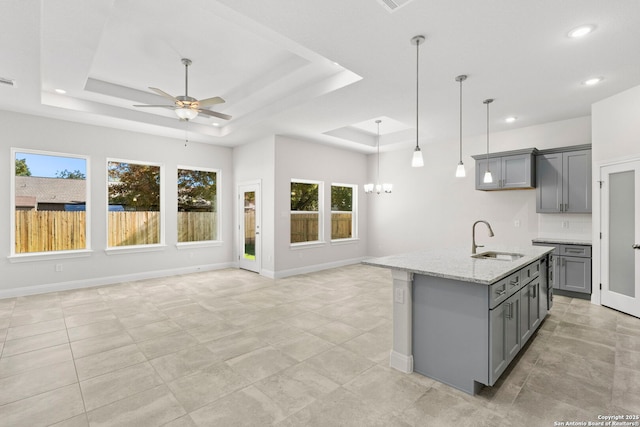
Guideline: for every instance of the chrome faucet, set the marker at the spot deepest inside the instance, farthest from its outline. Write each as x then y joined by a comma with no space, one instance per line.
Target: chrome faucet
473,235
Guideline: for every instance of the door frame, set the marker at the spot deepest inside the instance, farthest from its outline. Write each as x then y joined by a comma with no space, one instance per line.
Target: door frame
597,223
239,218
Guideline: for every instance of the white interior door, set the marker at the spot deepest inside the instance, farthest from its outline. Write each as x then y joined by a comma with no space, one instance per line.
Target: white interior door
249,227
620,205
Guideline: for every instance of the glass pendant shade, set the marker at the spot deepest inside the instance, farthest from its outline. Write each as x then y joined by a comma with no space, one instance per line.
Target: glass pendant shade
368,188
460,172
417,161
488,178
186,113
387,188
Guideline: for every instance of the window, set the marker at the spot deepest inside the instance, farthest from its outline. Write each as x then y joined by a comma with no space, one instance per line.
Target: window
134,204
343,211
306,208
197,205
49,201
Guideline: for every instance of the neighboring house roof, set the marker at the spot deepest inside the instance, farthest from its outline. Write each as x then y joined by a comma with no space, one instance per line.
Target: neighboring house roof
51,190
25,202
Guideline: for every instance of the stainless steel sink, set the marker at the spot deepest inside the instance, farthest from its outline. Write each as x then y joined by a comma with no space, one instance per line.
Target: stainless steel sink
502,256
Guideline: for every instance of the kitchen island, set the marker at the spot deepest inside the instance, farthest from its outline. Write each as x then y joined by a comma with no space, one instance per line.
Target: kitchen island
461,320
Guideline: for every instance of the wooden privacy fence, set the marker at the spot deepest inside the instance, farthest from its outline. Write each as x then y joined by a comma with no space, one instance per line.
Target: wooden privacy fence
197,226
304,227
43,231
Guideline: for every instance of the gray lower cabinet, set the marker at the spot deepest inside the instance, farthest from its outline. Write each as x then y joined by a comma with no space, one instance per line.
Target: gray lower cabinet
513,321
563,182
570,267
504,336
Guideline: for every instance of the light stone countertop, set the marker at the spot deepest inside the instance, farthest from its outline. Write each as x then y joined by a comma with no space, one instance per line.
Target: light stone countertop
561,241
458,264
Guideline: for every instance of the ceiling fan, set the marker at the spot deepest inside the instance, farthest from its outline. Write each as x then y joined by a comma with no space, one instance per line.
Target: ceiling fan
186,107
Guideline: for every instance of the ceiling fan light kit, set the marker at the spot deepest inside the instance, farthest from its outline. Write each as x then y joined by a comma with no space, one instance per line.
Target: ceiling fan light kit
185,106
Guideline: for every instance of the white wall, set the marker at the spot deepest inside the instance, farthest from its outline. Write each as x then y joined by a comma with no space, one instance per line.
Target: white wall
297,159
36,133
430,208
616,137
252,162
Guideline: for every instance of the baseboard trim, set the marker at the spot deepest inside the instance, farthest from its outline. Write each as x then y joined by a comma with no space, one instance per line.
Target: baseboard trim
401,362
110,280
316,267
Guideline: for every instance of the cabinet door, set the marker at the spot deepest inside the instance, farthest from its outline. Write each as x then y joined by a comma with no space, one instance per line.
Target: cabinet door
535,312
512,327
517,171
575,274
497,334
494,167
576,181
549,183
525,311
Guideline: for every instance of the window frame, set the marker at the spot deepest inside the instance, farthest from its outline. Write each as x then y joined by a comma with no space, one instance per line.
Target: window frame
354,213
36,256
204,243
109,250
320,211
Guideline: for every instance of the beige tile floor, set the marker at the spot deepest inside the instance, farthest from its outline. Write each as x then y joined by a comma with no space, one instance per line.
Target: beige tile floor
230,348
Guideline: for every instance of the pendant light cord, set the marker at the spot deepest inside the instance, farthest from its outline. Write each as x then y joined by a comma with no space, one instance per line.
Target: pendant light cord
378,144
461,79
417,87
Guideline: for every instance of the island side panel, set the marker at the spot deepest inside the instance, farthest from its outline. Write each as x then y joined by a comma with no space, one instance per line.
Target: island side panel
401,357
451,331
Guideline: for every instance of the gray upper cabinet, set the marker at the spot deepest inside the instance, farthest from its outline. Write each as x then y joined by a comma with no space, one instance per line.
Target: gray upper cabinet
563,181
510,170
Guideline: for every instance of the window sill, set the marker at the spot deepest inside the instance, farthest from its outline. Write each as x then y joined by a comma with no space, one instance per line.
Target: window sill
307,245
134,249
202,244
351,241
43,256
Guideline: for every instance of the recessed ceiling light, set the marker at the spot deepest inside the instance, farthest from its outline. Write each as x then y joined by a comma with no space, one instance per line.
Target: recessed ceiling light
593,81
61,91
581,31
511,119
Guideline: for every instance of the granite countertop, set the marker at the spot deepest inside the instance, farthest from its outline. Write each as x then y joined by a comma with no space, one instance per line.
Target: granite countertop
562,241
457,264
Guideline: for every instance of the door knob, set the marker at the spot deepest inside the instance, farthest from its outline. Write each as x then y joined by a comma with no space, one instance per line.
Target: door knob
636,246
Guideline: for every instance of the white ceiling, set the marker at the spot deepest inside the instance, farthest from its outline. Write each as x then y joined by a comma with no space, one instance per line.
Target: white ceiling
318,70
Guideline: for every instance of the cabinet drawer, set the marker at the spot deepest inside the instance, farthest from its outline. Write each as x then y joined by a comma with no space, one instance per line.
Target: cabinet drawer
503,289
556,250
576,250
530,272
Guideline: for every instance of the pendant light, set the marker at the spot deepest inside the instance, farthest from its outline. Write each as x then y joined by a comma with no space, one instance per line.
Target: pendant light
369,188
460,172
417,161
488,178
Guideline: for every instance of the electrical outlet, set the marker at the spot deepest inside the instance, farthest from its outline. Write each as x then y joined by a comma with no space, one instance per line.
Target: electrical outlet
58,267
399,297
516,223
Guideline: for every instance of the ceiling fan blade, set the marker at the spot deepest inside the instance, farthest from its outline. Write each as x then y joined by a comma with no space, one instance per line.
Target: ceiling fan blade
214,114
171,107
163,93
210,101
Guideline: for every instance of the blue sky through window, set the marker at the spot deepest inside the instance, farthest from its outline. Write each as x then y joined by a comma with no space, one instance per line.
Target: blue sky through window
46,166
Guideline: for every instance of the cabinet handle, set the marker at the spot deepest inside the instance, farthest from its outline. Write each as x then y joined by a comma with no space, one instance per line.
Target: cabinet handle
510,312
535,292
566,207
502,292
563,262
574,251
560,207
